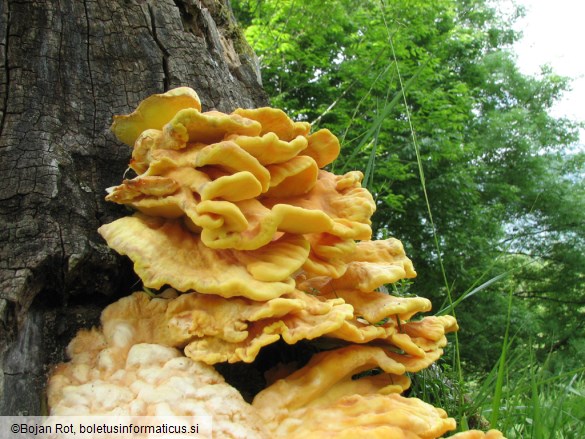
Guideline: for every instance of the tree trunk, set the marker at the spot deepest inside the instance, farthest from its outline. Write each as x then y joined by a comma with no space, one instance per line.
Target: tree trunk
67,67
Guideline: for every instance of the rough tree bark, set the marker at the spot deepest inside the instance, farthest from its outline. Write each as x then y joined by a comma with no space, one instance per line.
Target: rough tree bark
67,66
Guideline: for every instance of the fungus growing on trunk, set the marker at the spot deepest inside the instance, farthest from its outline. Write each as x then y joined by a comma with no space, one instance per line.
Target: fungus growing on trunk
255,242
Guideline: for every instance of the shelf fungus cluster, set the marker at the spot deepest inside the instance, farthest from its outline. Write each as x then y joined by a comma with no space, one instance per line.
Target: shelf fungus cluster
254,242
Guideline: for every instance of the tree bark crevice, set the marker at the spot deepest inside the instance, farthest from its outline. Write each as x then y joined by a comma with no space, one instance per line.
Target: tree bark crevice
5,81
89,68
165,53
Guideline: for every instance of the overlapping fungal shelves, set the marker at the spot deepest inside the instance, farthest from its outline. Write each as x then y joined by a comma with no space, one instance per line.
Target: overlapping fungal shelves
250,241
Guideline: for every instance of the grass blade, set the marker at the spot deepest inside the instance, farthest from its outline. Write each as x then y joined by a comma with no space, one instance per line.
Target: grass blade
502,367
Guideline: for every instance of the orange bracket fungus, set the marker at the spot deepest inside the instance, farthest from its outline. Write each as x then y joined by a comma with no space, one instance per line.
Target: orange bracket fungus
252,241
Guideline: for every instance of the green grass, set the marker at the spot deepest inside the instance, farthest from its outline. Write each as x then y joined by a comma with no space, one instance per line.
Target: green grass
529,401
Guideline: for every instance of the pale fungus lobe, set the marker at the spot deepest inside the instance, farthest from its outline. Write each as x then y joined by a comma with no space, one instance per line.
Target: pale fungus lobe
254,242
112,373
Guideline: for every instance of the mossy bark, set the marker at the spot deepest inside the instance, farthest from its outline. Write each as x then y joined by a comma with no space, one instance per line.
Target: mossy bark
66,67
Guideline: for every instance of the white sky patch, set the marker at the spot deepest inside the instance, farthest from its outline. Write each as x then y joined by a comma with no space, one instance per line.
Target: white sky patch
554,34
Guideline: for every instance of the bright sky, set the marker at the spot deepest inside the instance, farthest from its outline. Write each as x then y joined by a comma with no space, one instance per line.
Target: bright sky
554,34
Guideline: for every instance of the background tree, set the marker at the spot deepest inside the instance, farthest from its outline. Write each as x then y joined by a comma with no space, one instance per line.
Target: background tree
67,67
502,187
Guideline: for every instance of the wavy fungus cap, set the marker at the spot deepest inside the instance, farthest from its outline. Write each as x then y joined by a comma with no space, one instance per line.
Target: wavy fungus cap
165,252
154,112
323,399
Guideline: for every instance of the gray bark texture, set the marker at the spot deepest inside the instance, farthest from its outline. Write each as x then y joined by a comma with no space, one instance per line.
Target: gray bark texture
66,67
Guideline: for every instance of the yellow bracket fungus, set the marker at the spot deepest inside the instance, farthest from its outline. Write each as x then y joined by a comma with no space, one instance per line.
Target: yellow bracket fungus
258,243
